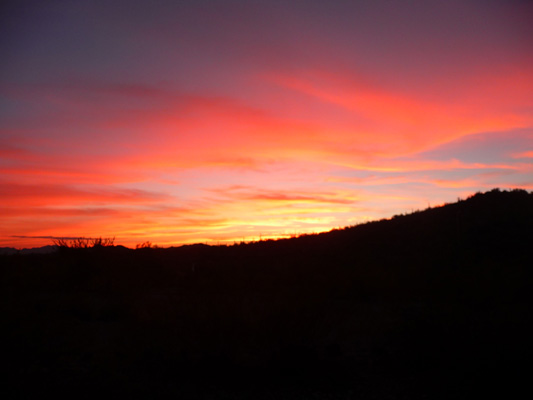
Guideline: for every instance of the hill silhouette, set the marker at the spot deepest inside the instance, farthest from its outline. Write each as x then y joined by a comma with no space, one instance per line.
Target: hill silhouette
433,304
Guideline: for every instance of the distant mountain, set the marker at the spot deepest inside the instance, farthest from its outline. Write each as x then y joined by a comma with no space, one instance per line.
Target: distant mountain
34,250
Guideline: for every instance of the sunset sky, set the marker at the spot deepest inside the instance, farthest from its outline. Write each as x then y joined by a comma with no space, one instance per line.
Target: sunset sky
219,121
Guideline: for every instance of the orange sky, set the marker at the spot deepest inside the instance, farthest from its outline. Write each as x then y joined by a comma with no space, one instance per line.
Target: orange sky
226,121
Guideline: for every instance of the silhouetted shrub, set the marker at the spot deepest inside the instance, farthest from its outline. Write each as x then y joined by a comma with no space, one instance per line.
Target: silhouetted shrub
146,245
84,243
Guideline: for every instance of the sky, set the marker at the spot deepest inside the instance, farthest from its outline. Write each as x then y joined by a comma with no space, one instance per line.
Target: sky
227,121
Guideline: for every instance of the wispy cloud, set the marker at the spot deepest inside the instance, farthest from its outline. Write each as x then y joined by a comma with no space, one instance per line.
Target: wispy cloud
411,122
14,193
525,154
50,237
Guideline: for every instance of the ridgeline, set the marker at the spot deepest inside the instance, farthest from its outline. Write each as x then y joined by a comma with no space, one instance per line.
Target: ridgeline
433,304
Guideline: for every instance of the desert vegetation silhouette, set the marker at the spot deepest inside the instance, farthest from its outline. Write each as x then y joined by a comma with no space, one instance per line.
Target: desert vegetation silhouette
83,243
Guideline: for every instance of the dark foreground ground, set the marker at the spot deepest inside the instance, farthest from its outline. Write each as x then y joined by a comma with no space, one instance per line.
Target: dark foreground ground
432,305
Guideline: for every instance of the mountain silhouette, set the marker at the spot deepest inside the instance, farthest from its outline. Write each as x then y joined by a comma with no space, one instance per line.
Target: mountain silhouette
34,250
433,304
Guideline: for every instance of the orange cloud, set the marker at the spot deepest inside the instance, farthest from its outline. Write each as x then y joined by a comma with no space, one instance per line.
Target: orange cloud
426,165
13,194
525,154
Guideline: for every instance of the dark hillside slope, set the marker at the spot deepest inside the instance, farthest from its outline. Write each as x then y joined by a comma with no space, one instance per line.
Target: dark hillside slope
433,304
